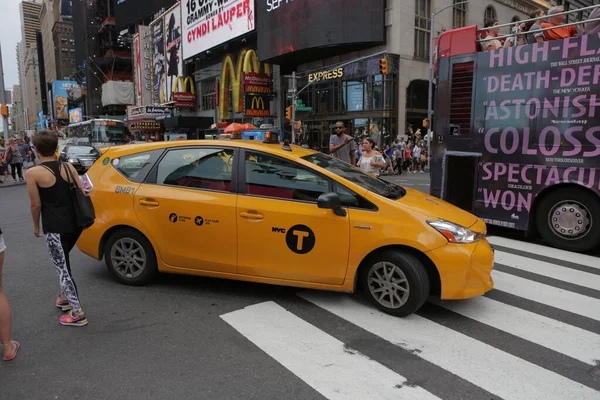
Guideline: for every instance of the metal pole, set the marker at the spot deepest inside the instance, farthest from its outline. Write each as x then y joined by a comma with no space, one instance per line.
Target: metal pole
6,131
293,107
430,93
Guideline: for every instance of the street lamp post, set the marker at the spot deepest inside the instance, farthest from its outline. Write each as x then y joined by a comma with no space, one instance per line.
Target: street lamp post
430,89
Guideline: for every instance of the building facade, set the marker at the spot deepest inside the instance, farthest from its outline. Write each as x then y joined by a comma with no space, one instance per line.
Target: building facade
47,20
30,21
17,118
64,49
404,91
31,74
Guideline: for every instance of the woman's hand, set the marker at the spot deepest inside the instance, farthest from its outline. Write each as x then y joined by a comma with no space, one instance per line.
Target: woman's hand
36,231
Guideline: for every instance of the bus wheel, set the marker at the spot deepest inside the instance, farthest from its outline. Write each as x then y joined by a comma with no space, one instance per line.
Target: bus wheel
569,219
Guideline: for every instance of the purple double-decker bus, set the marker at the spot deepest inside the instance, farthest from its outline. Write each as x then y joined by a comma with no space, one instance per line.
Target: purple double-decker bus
516,134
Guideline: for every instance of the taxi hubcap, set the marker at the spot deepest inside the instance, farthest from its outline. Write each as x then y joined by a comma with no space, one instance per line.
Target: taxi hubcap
570,220
128,258
388,285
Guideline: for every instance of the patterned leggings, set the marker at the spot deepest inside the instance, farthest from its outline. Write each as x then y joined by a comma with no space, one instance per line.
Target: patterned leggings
59,246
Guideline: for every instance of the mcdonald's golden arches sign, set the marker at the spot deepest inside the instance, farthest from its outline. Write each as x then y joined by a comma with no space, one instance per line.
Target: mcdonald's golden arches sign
246,63
184,93
257,105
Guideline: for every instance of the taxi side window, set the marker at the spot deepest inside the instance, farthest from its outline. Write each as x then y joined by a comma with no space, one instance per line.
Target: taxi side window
351,199
274,177
199,168
136,167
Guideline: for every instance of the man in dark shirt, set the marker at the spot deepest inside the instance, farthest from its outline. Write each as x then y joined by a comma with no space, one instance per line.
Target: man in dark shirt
8,346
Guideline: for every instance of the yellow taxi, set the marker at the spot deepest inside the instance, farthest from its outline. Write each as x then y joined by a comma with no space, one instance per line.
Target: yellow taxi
279,214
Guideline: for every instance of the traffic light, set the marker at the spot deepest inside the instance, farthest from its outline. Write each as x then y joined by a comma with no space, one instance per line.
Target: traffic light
426,123
288,113
383,66
4,110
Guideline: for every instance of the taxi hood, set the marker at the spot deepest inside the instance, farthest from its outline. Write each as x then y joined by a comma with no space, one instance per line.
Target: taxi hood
437,208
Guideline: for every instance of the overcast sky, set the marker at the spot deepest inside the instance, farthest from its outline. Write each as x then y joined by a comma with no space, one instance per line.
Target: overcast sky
10,34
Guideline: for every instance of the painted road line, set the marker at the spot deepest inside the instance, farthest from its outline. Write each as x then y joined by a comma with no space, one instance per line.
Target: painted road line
496,371
549,295
319,359
555,335
547,269
576,258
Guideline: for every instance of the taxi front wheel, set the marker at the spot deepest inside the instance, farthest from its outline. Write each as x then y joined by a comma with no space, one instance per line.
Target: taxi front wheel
396,282
130,257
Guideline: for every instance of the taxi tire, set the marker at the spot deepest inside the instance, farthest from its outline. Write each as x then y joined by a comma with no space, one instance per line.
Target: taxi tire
151,269
416,275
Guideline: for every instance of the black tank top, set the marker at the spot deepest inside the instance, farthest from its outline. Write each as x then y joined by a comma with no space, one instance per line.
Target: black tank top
57,209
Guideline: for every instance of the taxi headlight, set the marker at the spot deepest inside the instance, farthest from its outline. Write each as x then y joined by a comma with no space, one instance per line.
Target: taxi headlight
72,160
455,233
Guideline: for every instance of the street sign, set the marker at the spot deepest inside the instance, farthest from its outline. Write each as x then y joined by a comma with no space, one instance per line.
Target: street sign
303,108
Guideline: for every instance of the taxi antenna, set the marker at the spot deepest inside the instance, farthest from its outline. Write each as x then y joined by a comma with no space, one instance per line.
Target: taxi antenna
286,145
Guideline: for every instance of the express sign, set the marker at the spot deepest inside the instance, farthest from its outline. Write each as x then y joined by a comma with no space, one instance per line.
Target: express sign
209,23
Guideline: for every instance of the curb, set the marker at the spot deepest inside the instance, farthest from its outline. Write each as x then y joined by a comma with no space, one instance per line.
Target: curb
11,184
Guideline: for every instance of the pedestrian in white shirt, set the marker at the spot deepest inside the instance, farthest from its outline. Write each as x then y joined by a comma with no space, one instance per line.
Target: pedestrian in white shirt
417,157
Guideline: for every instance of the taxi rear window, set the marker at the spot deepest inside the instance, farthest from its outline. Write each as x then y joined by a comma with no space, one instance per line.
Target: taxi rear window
136,167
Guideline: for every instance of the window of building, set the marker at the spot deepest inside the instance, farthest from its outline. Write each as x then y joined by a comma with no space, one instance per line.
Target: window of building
490,14
198,168
354,95
378,103
422,28
274,177
209,95
459,14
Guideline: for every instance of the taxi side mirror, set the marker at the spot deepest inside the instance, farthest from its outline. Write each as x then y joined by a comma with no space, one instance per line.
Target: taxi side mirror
333,202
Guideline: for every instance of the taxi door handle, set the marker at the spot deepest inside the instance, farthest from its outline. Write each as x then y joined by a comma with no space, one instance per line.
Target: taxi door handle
251,215
150,203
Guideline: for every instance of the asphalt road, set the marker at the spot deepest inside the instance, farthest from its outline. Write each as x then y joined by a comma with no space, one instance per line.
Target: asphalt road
536,336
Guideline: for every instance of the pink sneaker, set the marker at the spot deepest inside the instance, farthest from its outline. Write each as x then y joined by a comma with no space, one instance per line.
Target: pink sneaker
73,320
63,304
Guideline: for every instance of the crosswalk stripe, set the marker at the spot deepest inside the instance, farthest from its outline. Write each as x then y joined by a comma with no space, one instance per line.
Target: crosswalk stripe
555,335
559,298
547,269
320,360
496,371
532,248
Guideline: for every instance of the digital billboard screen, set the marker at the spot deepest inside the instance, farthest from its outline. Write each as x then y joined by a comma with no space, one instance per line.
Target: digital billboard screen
128,12
288,26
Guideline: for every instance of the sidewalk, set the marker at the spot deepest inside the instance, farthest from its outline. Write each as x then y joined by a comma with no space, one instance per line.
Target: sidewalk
419,181
9,183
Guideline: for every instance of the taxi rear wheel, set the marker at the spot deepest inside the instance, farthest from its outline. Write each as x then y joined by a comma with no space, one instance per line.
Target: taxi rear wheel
396,282
130,257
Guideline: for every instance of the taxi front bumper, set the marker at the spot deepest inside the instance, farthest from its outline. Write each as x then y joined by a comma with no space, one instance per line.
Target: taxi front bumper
465,269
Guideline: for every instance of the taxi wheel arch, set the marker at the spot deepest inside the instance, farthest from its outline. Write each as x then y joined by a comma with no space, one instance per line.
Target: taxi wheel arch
420,271
151,265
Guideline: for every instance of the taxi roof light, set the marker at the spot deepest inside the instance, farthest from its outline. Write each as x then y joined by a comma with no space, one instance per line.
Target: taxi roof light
271,137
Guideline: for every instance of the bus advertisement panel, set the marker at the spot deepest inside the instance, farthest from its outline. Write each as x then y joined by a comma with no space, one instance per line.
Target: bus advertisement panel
537,111
517,138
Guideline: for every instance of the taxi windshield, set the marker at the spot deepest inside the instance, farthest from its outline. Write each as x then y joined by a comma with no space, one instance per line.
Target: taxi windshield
356,176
